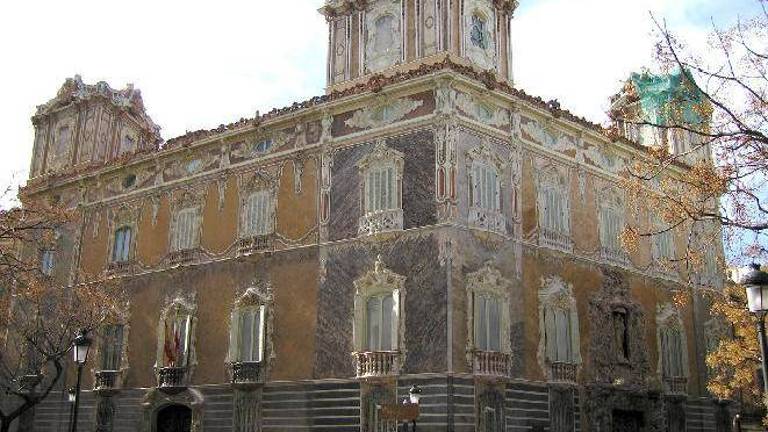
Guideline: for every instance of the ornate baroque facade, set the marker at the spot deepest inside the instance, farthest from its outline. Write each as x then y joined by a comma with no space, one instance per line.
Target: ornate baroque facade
424,222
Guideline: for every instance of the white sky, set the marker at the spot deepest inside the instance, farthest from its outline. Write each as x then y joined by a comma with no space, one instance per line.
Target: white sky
202,63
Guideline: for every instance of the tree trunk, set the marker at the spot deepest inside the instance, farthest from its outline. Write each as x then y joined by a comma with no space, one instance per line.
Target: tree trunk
5,425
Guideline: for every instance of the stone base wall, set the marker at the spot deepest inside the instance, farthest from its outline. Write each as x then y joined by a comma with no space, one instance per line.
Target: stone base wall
461,403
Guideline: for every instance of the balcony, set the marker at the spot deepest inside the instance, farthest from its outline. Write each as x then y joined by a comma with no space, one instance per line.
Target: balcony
372,364
172,379
118,268
492,363
562,372
675,385
185,256
489,220
107,380
614,254
555,239
247,373
380,221
250,245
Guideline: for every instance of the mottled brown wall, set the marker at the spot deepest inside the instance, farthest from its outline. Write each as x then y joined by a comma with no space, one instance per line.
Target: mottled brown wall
297,212
94,243
220,223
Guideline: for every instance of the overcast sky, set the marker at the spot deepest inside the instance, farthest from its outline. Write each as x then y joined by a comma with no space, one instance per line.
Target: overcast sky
202,63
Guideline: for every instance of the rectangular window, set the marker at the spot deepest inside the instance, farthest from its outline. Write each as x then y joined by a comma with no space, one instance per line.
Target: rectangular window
558,335
176,343
485,187
664,245
121,249
257,214
487,323
555,218
672,352
379,322
128,144
380,189
611,226
111,347
185,235
47,262
251,329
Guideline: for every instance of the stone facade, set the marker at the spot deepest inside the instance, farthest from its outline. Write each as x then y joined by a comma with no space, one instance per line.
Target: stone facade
445,163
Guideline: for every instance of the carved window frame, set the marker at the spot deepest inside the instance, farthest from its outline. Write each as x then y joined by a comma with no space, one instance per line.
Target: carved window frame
610,203
376,282
668,319
257,297
480,158
249,184
553,179
555,295
373,221
375,61
488,281
178,307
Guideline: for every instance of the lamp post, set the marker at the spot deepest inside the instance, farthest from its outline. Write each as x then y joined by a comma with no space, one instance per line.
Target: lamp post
756,284
71,400
80,347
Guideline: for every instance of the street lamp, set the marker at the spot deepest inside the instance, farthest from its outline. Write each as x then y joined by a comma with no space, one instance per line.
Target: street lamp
756,284
80,347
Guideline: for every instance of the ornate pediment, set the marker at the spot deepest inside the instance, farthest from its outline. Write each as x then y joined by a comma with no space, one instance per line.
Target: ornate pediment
257,294
555,292
381,153
489,279
379,279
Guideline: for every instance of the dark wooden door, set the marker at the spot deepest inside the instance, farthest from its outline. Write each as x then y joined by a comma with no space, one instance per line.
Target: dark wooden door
174,418
627,421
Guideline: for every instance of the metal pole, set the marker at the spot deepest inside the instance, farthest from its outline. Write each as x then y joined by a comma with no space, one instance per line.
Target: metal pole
77,396
763,348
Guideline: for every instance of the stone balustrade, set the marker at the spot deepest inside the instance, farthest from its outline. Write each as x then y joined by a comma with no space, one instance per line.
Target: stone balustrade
247,373
380,221
376,363
563,372
116,268
184,256
492,363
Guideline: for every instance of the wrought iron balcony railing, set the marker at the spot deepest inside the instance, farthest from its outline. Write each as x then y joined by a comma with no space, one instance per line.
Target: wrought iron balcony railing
247,372
370,364
492,363
380,221
107,380
171,379
555,239
489,220
675,385
563,372
249,245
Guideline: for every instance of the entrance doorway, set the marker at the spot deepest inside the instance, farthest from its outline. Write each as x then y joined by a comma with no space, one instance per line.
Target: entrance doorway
174,418
627,421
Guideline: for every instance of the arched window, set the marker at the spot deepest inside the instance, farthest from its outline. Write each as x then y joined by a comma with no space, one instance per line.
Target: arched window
258,214
186,229
378,321
478,33
559,329
249,335
121,247
249,322
484,169
488,344
381,190
611,225
554,209
672,346
176,336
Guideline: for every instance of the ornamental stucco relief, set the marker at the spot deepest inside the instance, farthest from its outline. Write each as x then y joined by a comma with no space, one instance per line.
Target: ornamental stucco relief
383,114
384,35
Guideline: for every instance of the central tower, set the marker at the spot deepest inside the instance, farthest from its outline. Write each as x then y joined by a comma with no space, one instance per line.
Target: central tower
386,36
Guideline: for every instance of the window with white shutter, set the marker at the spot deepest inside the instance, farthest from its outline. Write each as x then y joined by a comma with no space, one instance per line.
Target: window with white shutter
484,193
380,317
258,214
553,209
611,227
671,352
380,188
558,335
186,229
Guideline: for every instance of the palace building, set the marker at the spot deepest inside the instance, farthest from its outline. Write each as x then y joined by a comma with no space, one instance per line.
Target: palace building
423,222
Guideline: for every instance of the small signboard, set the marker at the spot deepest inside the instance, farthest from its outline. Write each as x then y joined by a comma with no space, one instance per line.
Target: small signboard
400,412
